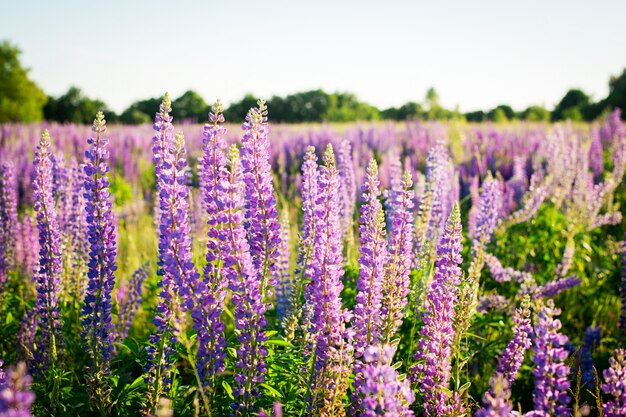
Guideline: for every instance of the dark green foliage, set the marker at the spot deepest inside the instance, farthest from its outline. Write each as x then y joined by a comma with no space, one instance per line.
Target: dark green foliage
21,100
73,107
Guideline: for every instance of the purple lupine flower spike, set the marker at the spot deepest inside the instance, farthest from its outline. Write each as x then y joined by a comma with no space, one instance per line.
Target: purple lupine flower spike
332,353
497,400
434,354
622,291
614,385
75,239
347,186
591,341
16,397
215,194
179,277
489,210
215,189
3,375
283,270
128,301
176,261
261,218
551,374
8,220
436,205
245,283
397,280
300,305
513,356
382,392
96,312
49,274
372,259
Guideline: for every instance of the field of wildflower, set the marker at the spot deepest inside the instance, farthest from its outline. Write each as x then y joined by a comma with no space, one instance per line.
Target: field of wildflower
392,269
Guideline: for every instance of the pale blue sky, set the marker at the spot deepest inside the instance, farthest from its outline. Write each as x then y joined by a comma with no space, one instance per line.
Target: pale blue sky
477,54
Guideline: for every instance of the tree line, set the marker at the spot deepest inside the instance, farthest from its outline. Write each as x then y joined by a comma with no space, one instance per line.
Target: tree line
22,100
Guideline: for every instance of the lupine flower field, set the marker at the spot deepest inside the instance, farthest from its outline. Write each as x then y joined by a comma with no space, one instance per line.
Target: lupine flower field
259,269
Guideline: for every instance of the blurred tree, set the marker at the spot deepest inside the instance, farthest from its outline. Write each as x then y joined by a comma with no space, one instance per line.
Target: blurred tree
572,105
74,107
344,107
307,106
142,111
432,102
476,116
21,100
501,113
617,93
236,112
190,106
410,110
536,114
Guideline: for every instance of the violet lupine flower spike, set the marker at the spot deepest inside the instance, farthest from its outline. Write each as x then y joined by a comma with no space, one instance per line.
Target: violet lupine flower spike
551,374
245,283
211,353
16,397
373,258
176,261
283,269
128,301
489,210
497,400
397,280
8,220
382,392
434,354
96,312
622,291
178,272
614,385
347,187
261,219
50,262
304,274
331,348
513,356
